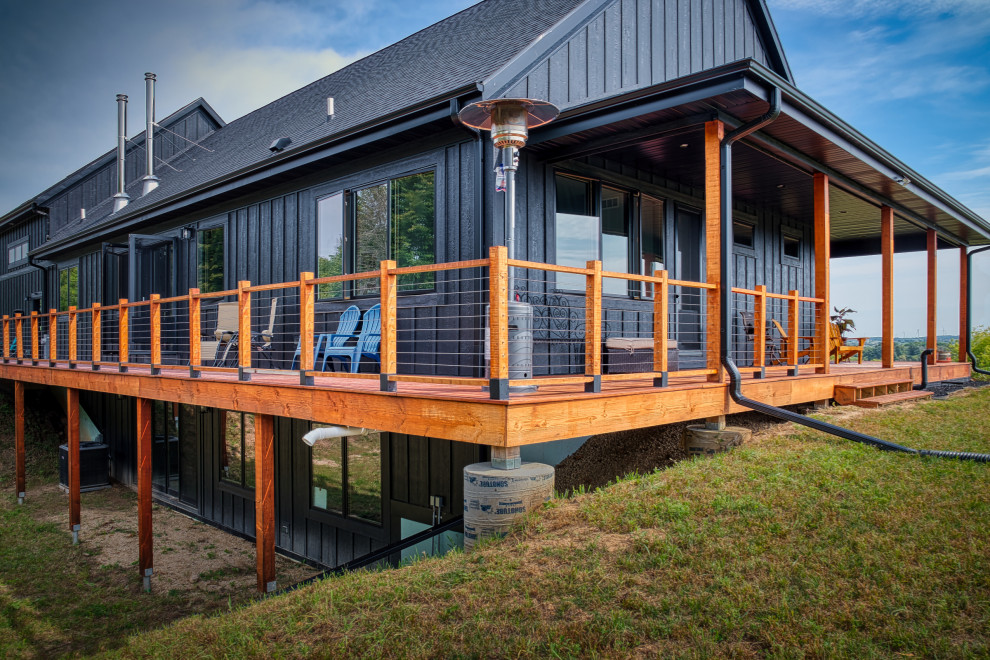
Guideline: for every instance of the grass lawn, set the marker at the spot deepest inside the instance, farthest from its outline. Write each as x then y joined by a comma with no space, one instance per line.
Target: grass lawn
798,544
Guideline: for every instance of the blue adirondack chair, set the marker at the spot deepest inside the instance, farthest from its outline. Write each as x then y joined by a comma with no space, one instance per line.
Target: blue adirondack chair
367,344
345,330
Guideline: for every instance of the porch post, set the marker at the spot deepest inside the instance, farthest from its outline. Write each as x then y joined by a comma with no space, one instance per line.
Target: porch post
823,255
145,544
963,302
887,298
19,470
932,342
264,500
714,131
72,419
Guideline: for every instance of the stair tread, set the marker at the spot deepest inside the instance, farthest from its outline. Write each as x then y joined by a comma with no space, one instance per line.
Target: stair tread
887,399
863,386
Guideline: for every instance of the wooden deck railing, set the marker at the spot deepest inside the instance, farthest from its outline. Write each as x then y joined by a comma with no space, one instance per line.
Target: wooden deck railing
139,326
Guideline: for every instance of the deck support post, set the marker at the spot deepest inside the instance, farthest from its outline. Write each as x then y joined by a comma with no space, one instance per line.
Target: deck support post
389,303
714,132
19,469
264,504
716,423
932,341
72,422
823,255
963,302
887,268
145,543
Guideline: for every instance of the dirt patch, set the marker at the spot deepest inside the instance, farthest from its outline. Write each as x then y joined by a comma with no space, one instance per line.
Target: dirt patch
192,557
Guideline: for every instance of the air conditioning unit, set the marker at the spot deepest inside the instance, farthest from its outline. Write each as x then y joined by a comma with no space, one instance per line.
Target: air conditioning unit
94,466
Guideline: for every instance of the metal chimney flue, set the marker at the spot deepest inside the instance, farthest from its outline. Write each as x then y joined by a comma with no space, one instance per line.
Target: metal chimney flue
121,199
149,182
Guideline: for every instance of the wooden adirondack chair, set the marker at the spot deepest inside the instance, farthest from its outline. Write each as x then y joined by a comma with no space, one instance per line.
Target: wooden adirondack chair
837,345
367,345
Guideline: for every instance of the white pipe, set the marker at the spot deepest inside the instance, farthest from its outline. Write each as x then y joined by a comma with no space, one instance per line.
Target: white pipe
331,432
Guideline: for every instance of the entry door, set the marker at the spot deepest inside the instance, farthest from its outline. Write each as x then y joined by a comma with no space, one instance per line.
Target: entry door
689,302
156,271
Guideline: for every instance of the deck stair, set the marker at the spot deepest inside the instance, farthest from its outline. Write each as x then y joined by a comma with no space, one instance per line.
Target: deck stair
878,395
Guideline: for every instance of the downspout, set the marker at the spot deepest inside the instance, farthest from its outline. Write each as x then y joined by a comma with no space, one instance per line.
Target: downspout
969,309
725,301
923,385
44,282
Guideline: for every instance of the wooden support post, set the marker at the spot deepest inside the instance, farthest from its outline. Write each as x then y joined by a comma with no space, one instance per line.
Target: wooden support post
35,344
823,255
52,337
593,326
6,337
498,322
760,328
887,277
307,327
155,316
97,335
661,329
73,338
146,556
243,330
932,341
963,303
19,332
793,329
20,480
714,131
72,421
264,502
123,338
195,333
389,302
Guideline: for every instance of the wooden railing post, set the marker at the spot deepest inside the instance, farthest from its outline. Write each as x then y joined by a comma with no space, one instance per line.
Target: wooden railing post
6,337
19,331
155,314
389,301
123,336
307,327
243,330
35,347
195,333
661,320
593,326
793,331
52,337
97,336
760,329
498,322
73,339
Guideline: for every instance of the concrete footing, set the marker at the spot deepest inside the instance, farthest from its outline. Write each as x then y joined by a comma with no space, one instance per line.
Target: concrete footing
496,500
701,441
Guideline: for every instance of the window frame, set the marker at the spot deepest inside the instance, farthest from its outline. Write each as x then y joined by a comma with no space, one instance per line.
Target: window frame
349,225
345,512
742,246
795,235
222,226
17,244
69,302
242,486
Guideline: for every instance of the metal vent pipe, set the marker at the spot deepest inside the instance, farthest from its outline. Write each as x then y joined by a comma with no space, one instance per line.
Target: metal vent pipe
121,198
150,181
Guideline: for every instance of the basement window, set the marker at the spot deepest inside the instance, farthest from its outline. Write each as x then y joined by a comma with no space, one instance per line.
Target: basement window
346,476
237,449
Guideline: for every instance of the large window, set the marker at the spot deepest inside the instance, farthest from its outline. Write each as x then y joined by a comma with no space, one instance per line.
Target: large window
17,253
209,259
175,449
346,476
394,219
68,288
651,240
237,449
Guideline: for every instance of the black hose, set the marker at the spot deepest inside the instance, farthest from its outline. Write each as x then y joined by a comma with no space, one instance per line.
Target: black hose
725,290
924,369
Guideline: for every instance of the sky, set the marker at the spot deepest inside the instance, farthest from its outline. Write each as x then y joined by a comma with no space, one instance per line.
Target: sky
912,75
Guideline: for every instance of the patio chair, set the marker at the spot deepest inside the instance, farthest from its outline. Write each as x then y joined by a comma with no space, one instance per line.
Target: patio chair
367,345
262,341
771,349
785,343
837,345
346,326
225,334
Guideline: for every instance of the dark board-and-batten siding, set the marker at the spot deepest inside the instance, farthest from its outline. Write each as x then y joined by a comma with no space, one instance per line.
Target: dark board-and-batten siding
638,43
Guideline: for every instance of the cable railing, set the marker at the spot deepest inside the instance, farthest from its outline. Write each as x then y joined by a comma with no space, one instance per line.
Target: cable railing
451,324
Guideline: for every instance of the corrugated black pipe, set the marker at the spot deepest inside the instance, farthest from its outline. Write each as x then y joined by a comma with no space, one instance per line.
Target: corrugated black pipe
924,369
969,310
725,293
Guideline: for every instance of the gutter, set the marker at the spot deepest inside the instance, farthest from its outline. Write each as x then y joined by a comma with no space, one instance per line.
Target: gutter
725,309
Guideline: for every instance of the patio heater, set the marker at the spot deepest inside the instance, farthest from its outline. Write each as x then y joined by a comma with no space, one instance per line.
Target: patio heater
509,121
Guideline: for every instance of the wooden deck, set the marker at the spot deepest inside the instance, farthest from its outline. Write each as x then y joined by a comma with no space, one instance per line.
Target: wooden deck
465,412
